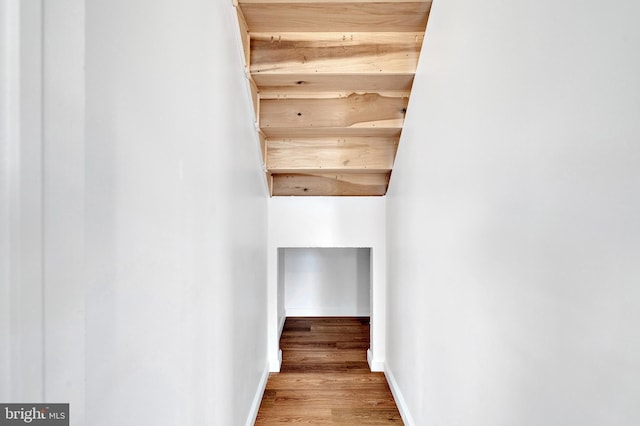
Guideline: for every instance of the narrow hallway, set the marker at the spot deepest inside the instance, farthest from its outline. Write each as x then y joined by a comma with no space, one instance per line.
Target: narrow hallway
325,378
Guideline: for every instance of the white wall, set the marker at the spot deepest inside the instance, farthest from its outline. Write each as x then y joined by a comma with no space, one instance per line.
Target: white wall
63,204
134,213
329,222
25,129
176,217
7,50
513,230
327,281
282,313
42,204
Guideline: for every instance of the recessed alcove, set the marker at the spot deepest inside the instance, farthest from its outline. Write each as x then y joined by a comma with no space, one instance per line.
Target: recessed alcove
323,281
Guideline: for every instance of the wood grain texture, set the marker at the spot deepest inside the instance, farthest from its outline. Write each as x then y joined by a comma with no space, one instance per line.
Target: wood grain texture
337,132
319,16
332,82
255,98
357,110
285,2
269,177
267,93
322,384
244,36
364,153
330,70
263,148
330,184
335,52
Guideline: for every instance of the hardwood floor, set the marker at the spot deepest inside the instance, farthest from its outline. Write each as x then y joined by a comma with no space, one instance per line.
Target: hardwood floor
325,378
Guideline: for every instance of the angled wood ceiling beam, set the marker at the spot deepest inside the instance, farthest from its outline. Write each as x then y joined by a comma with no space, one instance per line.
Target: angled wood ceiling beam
329,184
291,16
368,110
335,53
359,154
328,82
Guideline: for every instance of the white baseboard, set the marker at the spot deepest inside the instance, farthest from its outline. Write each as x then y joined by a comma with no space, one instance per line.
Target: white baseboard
326,312
257,399
374,365
275,364
397,395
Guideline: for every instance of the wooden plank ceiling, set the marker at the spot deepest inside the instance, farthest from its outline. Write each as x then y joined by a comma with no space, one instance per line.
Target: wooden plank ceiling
330,83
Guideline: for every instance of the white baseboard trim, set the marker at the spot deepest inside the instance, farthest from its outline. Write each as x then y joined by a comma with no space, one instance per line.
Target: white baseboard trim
374,365
397,395
257,399
275,364
326,312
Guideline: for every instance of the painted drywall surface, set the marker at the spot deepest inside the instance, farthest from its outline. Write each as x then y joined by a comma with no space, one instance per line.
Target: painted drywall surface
326,281
42,174
198,320
282,313
513,230
176,217
7,45
25,203
63,205
329,222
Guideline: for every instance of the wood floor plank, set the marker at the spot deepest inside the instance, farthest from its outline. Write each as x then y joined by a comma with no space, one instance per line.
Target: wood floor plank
321,416
337,328
313,380
325,378
318,356
339,398
325,336
361,367
366,416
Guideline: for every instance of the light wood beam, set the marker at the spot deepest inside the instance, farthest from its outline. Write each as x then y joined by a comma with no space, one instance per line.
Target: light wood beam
312,83
338,132
361,154
357,53
368,110
318,184
270,94
284,2
336,16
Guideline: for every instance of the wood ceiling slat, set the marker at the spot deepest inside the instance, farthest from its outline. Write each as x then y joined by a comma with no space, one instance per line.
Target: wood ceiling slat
319,184
285,2
294,83
340,38
357,110
336,16
331,153
287,132
331,171
271,94
357,53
